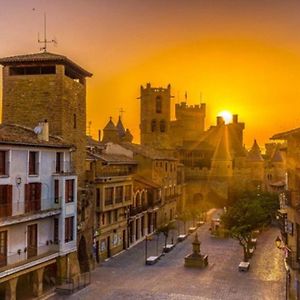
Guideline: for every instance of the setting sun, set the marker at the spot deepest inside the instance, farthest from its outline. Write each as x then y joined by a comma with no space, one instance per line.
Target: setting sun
226,115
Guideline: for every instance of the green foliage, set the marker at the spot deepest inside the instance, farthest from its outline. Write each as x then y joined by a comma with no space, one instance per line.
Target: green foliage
165,229
252,211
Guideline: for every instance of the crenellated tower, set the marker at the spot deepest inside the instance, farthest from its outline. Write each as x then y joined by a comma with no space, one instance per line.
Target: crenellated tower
155,116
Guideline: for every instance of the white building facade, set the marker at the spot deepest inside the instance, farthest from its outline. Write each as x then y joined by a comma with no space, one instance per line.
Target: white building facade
38,219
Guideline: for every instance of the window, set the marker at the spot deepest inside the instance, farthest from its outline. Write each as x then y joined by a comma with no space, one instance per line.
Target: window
56,191
109,217
109,195
33,163
153,125
33,197
74,121
58,162
55,231
32,70
69,228
69,190
98,197
3,163
97,220
158,104
5,200
119,194
3,248
116,215
162,126
166,167
128,193
103,219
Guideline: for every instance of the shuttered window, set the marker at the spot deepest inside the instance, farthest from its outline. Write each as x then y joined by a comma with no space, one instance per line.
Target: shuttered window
33,197
69,190
69,228
5,200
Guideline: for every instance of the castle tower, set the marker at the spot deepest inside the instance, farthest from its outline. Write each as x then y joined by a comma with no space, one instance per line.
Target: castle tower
155,116
256,163
47,86
111,132
190,121
221,163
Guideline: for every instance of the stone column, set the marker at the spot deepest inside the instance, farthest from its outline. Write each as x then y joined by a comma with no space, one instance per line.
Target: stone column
11,289
38,282
133,230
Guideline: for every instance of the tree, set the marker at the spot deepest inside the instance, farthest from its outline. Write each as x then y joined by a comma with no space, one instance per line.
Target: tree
249,213
184,217
165,229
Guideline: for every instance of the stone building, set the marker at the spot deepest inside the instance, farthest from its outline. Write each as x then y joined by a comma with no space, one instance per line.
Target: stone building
290,208
38,201
47,86
112,176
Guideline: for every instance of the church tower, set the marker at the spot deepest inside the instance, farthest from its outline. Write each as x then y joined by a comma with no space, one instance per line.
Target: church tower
47,86
155,116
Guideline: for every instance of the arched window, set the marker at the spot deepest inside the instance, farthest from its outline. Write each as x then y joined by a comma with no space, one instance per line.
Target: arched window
158,104
153,125
162,126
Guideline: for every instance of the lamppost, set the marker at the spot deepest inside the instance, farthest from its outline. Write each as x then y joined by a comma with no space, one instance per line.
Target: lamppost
280,245
147,238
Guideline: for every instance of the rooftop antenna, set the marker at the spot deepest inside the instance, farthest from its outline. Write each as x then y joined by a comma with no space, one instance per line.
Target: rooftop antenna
45,41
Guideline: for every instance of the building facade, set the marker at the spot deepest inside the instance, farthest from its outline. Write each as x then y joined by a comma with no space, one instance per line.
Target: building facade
38,212
47,86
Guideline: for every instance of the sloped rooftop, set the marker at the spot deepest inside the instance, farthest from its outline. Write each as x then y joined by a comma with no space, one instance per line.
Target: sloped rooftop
44,57
12,134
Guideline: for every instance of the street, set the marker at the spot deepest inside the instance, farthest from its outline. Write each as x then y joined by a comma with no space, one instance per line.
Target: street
127,277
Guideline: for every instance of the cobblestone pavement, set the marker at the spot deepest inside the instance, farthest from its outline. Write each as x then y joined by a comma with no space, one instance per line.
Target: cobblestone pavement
126,277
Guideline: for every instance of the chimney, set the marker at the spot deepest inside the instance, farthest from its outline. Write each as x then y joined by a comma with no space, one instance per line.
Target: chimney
220,121
43,133
234,119
99,135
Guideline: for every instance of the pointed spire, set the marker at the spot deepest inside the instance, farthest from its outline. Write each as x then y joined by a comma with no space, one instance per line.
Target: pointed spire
277,157
255,153
110,125
120,127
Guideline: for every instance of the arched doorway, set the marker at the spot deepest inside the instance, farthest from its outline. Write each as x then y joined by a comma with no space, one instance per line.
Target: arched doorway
49,277
83,256
25,287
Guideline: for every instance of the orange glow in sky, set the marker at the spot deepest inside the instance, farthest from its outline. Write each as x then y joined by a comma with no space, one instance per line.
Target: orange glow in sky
241,56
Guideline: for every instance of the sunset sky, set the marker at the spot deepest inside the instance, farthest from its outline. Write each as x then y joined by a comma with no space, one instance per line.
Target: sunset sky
242,55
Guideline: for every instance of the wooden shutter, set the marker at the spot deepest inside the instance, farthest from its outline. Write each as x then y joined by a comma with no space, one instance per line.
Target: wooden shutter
9,199
2,162
27,198
38,195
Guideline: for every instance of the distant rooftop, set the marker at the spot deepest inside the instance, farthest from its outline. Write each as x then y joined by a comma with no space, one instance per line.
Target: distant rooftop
44,57
11,134
284,135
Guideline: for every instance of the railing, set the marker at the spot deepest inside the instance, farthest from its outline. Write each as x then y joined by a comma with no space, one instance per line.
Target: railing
63,167
20,256
30,207
70,285
112,173
138,209
292,260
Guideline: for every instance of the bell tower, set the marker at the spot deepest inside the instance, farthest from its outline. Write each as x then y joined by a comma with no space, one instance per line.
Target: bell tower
155,116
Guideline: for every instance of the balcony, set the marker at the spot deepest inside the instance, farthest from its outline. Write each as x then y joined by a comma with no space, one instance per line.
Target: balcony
16,261
137,210
23,212
63,168
112,173
292,260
